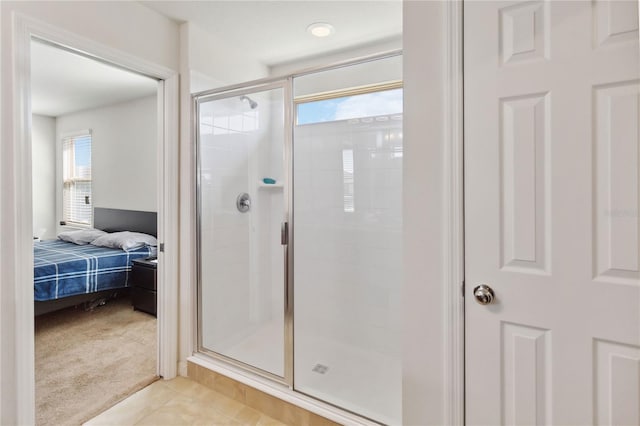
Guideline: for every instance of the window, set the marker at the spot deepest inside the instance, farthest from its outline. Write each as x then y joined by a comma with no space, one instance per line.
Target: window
366,122
76,172
346,107
348,181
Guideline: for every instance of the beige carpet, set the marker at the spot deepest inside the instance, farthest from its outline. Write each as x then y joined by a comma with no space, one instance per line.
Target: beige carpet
88,361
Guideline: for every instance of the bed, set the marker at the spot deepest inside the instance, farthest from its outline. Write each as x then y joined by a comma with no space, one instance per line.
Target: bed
67,274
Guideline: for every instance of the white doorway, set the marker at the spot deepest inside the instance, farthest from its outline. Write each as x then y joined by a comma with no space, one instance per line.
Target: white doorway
91,123
552,168
25,30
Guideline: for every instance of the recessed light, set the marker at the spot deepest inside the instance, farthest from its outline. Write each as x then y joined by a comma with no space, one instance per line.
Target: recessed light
320,29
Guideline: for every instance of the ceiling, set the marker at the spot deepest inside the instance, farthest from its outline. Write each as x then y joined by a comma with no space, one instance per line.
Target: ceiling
274,32
63,82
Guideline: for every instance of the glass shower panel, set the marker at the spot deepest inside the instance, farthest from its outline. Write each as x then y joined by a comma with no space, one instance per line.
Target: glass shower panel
347,245
241,206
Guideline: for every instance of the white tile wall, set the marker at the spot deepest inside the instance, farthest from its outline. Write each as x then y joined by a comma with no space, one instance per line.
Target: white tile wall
225,239
241,259
348,265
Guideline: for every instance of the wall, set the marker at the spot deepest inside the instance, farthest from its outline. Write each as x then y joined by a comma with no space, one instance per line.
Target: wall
269,162
122,135
132,30
423,365
127,26
291,67
348,263
123,153
366,74
375,72
43,139
225,232
214,63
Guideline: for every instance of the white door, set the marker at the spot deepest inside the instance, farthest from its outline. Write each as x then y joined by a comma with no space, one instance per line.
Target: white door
552,163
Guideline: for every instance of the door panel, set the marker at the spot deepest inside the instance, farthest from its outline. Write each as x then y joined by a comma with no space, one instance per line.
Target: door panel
241,265
552,162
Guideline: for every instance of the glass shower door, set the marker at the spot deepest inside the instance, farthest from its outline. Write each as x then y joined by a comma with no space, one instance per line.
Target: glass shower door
241,205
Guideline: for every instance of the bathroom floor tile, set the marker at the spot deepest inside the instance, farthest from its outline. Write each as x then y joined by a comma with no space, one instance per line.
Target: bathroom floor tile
181,401
136,407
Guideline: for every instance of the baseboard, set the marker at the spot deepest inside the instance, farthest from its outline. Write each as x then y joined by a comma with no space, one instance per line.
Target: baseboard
182,369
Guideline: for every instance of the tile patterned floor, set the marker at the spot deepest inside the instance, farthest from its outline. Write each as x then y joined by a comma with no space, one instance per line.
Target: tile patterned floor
178,402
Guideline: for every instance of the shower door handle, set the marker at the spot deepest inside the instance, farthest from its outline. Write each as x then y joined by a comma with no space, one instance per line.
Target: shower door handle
284,233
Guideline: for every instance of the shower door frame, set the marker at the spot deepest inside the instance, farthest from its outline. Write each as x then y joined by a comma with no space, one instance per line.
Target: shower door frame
235,91
247,88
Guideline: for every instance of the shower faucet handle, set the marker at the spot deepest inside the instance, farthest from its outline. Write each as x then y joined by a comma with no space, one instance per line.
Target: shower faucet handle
243,202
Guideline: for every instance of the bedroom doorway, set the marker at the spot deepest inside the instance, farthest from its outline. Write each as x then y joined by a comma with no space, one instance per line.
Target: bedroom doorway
100,314
150,110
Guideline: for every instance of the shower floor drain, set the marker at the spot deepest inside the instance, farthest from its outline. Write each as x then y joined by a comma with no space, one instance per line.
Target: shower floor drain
320,369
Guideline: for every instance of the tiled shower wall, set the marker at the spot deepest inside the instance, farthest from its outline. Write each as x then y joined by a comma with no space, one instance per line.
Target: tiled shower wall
225,238
348,264
348,223
242,260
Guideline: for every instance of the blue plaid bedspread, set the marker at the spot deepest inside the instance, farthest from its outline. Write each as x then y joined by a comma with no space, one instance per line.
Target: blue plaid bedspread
64,269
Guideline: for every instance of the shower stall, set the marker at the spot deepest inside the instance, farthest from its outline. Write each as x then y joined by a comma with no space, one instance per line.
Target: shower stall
299,191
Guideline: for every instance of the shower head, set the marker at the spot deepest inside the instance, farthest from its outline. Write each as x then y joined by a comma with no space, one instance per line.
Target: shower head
253,104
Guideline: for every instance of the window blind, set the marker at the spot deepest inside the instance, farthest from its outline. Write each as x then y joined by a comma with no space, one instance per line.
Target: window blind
76,170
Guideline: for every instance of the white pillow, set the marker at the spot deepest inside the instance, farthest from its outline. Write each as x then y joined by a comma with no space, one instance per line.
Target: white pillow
81,236
125,240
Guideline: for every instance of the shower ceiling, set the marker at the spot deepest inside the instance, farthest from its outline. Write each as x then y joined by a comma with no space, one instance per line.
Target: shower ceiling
274,32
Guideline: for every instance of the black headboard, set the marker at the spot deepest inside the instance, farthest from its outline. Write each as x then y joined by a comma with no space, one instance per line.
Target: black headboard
114,220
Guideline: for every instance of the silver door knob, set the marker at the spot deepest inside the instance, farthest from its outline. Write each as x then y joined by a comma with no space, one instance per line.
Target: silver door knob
484,294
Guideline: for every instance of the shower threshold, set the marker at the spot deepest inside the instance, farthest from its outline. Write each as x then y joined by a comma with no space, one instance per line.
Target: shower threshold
274,399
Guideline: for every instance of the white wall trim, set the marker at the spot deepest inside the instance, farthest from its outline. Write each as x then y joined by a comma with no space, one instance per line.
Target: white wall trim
21,258
453,204
2,218
188,321
22,237
168,215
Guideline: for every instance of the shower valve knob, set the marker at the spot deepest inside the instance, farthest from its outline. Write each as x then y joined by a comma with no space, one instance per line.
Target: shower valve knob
243,202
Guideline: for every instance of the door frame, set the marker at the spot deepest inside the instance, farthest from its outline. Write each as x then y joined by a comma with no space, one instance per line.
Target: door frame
24,28
453,214
284,83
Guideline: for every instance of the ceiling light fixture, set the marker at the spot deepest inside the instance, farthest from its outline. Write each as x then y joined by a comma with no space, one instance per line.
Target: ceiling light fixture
320,29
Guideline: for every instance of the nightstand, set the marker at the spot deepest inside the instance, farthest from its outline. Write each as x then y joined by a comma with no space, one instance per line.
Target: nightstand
144,285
